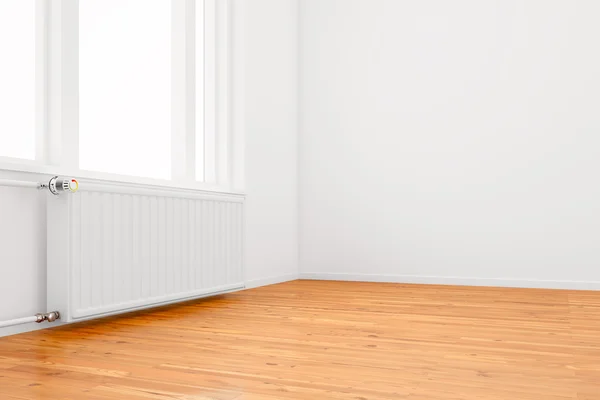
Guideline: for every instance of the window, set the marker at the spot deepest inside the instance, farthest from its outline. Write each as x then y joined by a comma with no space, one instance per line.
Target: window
18,79
125,87
133,90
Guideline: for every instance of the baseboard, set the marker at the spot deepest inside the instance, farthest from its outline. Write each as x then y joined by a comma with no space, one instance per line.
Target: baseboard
451,280
15,330
270,280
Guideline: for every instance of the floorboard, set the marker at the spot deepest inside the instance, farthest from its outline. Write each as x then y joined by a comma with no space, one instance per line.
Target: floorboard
323,340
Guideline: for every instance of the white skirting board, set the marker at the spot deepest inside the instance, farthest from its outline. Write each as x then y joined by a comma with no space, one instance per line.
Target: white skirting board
14,330
270,280
451,280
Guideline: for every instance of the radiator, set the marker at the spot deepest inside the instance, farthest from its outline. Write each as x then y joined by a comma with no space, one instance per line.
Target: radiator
115,248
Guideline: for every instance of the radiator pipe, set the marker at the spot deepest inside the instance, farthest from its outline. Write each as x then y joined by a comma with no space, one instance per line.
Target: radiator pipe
8,182
56,185
50,317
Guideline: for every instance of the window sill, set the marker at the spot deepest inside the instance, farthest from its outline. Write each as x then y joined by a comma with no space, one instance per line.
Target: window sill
101,178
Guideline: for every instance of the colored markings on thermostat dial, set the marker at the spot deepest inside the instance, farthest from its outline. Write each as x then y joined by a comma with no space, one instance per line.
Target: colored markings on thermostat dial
73,185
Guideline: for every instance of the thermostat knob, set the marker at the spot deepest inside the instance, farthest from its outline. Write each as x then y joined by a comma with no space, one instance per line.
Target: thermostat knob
63,185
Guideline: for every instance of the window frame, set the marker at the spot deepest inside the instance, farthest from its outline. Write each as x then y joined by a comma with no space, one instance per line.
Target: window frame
57,99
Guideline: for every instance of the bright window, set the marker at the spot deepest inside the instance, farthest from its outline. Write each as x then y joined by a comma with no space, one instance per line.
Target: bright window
125,87
18,79
130,90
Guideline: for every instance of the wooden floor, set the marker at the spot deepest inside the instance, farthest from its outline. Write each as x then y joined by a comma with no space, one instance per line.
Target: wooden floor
323,340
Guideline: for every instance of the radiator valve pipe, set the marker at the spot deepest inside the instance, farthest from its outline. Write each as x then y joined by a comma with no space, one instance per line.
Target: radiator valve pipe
39,318
52,316
56,185
25,184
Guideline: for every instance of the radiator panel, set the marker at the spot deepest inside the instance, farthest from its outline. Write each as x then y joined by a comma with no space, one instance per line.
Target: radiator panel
125,250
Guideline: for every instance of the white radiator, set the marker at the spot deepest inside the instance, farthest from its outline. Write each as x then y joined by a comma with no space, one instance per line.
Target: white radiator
115,248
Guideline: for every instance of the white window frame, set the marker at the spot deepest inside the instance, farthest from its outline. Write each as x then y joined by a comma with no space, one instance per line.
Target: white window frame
57,99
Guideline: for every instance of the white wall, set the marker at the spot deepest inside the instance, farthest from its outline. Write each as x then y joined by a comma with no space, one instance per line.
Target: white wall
443,141
271,134
22,251
270,125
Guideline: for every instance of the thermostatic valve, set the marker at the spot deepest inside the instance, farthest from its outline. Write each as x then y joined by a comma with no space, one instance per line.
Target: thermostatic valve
62,185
